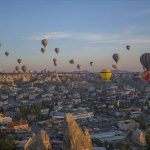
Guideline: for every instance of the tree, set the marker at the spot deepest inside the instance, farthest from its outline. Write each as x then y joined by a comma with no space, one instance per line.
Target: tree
142,122
125,147
7,143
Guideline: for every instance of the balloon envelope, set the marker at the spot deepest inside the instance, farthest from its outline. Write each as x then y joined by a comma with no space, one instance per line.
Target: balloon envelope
105,74
114,66
128,47
91,63
24,68
71,61
19,60
17,68
44,42
6,53
57,50
55,61
43,50
145,60
116,57
78,66
146,76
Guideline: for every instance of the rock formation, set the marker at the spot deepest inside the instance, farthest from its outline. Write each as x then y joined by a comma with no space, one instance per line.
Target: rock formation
139,137
74,138
39,141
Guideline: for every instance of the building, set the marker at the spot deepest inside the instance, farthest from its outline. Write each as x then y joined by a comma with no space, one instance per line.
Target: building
19,126
5,119
128,125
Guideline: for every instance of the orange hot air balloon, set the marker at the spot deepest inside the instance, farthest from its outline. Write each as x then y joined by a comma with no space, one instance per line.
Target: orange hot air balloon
146,76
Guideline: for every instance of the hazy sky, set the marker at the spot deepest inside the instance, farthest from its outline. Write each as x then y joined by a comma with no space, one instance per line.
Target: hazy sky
86,30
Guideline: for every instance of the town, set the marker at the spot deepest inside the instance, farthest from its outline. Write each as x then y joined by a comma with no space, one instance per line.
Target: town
115,112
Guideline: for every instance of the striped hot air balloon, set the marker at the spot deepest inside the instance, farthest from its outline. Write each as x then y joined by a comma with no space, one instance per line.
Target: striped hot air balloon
145,61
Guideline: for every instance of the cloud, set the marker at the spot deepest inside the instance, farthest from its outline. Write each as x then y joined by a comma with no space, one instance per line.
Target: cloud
123,37
98,37
52,36
129,35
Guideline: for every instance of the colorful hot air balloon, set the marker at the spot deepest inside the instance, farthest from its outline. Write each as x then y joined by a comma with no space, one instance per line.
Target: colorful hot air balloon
24,68
57,50
116,57
91,63
43,50
106,74
6,53
145,61
44,42
128,47
146,76
19,61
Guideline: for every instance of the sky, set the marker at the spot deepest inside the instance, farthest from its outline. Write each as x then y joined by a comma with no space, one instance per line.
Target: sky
85,30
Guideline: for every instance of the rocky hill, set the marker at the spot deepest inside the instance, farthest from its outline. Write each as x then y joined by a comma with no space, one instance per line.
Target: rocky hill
38,141
74,137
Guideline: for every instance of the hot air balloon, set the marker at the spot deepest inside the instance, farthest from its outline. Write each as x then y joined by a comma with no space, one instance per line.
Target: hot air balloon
19,61
71,61
146,76
44,42
78,66
55,62
57,50
116,57
24,68
91,63
114,66
17,68
6,53
106,74
54,59
43,50
128,47
145,61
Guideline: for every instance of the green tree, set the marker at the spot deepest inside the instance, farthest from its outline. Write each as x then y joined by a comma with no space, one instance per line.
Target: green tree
142,122
125,147
7,143
23,110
